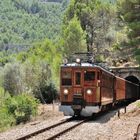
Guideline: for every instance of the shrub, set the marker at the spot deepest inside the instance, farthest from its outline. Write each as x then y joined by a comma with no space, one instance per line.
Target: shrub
22,107
48,92
16,109
6,120
12,78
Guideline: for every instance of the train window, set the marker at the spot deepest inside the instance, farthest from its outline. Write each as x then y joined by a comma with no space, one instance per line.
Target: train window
89,76
66,78
78,78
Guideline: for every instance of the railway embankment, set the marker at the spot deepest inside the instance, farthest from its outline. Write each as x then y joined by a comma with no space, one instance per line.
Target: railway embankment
125,126
109,126
106,127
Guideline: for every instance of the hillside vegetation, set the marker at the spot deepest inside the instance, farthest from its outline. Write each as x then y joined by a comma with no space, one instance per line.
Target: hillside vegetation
130,11
27,21
110,29
30,56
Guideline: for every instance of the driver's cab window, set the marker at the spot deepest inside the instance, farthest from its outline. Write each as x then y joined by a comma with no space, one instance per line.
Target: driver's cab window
66,78
89,76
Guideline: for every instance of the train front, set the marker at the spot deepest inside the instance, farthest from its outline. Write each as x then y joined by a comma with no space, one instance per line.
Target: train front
80,89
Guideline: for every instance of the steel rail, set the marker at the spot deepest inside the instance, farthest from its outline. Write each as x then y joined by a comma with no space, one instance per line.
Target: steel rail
44,129
66,130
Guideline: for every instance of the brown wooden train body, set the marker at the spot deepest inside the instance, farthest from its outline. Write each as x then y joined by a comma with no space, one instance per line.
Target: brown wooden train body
86,88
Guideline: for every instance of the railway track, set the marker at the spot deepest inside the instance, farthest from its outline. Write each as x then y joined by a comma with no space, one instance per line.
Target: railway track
66,130
42,130
56,130
53,132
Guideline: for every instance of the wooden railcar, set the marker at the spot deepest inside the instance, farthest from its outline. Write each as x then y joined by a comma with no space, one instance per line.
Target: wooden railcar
125,90
86,88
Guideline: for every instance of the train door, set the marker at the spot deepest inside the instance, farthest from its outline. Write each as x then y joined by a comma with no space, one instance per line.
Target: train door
77,86
77,89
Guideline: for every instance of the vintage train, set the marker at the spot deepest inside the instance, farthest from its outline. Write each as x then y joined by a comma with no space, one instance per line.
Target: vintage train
87,88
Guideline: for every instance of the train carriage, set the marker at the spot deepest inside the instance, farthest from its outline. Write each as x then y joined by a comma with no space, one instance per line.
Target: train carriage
86,88
125,90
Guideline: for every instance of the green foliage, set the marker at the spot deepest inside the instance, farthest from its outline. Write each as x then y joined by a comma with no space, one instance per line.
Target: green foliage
96,19
16,109
134,26
74,37
3,96
6,120
12,78
116,46
99,59
22,107
137,55
24,21
130,11
48,92
45,52
35,68
36,75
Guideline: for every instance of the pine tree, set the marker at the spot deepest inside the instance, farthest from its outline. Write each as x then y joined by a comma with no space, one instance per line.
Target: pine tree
74,37
130,9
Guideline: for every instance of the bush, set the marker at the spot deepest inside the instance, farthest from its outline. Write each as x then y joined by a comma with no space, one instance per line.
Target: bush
48,92
15,109
12,78
6,120
22,107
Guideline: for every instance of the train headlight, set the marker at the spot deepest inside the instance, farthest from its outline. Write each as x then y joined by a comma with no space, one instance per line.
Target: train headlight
89,91
66,91
78,60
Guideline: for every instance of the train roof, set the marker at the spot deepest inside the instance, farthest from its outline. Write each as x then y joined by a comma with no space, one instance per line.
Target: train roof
76,64
90,65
